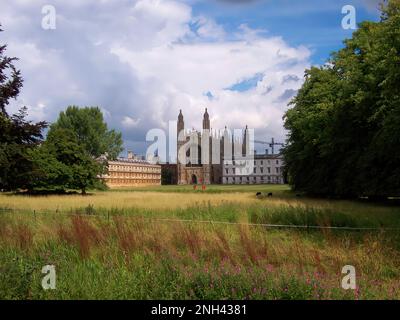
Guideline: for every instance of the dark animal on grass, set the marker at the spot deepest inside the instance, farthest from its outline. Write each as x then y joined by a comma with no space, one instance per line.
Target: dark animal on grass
270,194
258,194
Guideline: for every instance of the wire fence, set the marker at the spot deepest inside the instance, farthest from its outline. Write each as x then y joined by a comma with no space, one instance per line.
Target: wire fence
196,221
267,225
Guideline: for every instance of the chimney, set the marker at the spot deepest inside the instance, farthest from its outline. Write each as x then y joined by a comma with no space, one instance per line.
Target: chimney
130,155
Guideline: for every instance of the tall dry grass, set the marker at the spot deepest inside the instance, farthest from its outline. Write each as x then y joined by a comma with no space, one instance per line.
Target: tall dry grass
210,257
23,236
82,233
119,200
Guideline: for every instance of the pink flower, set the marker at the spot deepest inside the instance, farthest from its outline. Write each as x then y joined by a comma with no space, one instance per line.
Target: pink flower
269,267
357,293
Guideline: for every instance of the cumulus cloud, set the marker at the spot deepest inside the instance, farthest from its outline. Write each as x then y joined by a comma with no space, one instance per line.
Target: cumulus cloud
142,61
130,122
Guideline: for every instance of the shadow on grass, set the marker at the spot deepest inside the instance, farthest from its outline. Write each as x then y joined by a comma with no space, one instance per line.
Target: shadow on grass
48,193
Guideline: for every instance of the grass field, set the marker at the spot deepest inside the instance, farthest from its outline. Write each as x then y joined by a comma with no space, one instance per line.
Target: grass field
173,242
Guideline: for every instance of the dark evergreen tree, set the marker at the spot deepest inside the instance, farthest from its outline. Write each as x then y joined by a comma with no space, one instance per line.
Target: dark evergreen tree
17,135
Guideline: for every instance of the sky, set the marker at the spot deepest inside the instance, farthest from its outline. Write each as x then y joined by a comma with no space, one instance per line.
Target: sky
141,61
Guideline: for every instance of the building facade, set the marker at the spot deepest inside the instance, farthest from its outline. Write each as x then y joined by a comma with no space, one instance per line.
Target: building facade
131,172
197,170
266,169
219,161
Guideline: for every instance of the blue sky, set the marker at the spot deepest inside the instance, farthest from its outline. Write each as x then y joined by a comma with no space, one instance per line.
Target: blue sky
315,23
141,61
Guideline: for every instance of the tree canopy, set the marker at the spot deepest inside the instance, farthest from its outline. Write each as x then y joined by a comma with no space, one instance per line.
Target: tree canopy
70,158
17,135
61,162
91,131
10,79
344,126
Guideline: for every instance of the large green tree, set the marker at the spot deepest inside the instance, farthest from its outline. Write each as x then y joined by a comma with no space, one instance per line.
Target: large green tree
344,126
17,135
76,151
91,131
61,162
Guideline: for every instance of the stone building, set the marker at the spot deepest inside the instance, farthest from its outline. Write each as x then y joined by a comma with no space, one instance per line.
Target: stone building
267,169
205,151
204,165
220,160
132,171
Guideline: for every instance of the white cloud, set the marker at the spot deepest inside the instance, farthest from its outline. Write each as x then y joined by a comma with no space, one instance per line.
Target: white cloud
208,28
130,122
142,61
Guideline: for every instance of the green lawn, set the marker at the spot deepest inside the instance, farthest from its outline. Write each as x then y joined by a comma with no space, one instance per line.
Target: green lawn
215,188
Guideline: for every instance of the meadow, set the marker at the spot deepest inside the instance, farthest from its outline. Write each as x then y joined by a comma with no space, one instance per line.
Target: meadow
173,242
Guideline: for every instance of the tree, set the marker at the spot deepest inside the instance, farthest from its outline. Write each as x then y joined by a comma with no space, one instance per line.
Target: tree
48,172
17,135
84,169
345,122
71,155
11,84
62,163
166,176
91,131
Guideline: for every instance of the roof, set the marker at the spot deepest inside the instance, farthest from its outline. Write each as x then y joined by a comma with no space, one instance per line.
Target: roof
132,161
268,156
257,156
